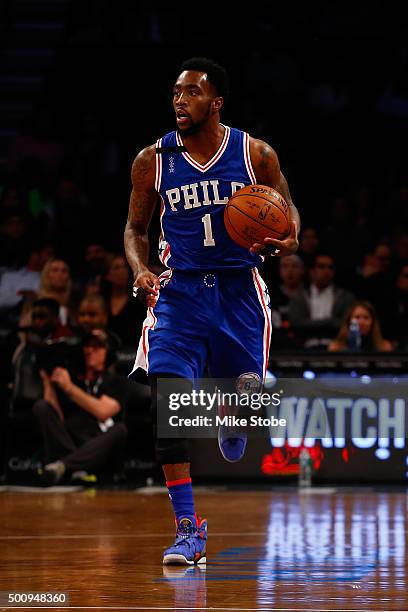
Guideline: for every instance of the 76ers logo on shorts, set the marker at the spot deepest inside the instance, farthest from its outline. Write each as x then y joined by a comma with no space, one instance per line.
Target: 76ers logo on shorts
248,383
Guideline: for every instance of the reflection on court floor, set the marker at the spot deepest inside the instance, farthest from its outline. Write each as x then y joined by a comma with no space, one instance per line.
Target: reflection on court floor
311,541
327,549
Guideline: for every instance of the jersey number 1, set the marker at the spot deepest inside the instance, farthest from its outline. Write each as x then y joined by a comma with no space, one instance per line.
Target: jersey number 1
208,240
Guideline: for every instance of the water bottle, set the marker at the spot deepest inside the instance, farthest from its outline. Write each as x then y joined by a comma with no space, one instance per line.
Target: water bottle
305,468
354,336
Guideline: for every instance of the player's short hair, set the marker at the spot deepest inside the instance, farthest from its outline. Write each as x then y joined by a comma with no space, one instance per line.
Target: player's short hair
217,75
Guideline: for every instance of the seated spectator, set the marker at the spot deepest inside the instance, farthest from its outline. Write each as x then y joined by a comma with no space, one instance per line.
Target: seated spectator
80,419
56,283
93,314
291,272
371,337
126,315
316,313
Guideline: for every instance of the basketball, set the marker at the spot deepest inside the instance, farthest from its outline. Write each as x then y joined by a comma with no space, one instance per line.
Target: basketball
256,212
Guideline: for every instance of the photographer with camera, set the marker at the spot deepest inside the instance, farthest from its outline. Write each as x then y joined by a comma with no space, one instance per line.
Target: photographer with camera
31,348
80,417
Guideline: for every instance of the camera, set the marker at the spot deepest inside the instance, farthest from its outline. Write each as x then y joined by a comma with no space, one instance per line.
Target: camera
65,352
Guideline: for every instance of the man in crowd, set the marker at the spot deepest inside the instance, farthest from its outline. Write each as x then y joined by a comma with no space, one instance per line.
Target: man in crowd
316,312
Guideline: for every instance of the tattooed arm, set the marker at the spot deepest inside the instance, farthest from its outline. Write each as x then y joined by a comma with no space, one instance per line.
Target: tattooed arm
141,206
267,171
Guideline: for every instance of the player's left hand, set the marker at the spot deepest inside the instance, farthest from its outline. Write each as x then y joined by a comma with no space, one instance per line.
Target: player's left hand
278,248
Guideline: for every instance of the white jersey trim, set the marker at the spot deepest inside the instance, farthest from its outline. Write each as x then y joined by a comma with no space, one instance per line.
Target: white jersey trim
159,166
261,291
214,159
142,355
247,158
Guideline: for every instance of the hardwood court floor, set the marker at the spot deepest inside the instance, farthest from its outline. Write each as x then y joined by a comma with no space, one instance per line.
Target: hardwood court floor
338,549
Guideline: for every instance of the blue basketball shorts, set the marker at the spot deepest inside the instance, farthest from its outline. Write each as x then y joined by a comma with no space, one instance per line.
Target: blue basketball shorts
216,320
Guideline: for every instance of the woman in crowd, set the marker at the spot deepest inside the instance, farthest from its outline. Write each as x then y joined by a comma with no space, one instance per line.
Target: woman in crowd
56,283
126,315
371,337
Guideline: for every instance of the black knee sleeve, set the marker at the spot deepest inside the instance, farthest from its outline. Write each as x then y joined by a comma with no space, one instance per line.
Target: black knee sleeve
168,450
172,450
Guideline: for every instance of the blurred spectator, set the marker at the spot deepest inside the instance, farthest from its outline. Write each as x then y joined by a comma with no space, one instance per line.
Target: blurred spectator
316,313
126,315
93,314
15,283
378,282
96,261
291,272
22,283
309,243
80,419
377,261
45,321
372,340
56,283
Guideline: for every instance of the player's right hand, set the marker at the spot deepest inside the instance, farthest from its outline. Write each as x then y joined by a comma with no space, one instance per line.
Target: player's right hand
146,288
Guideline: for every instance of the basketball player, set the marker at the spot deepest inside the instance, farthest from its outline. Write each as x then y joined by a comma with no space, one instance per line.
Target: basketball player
210,306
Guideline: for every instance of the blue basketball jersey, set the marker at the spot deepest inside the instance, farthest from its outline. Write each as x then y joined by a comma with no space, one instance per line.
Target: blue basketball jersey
193,200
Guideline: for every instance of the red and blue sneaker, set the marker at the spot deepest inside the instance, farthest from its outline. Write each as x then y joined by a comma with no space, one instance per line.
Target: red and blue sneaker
232,443
189,547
